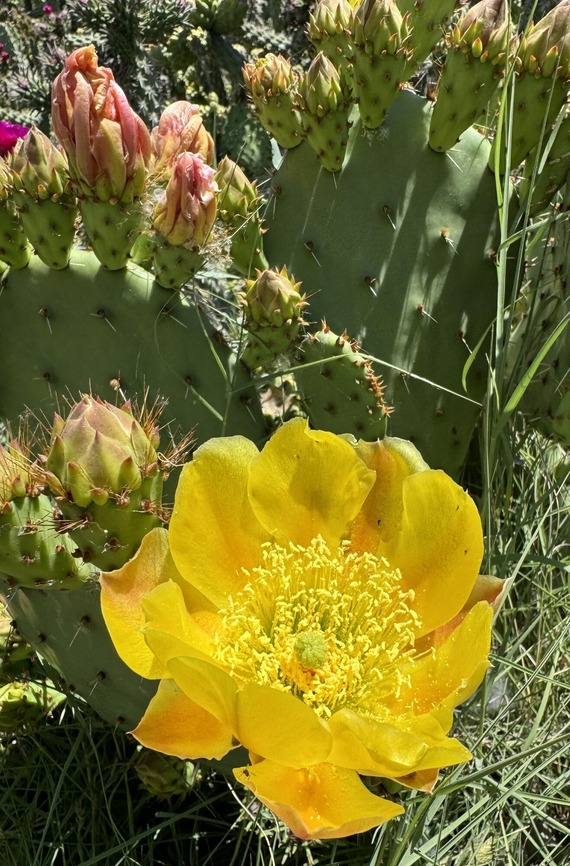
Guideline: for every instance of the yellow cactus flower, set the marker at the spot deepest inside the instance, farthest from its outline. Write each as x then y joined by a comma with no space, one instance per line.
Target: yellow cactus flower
319,603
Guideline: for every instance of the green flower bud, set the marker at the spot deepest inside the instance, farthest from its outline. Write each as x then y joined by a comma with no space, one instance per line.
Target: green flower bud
545,48
99,450
320,90
39,168
237,195
272,299
484,31
271,82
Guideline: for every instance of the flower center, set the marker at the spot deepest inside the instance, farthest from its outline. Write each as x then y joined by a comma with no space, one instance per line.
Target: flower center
334,628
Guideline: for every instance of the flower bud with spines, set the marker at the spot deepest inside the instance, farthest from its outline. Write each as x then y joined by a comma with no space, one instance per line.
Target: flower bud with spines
475,63
329,29
180,129
14,247
323,100
44,197
108,149
271,82
381,55
238,209
106,473
542,75
272,307
183,220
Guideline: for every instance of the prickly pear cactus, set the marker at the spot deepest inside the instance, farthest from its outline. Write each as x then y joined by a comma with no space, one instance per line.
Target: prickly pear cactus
393,227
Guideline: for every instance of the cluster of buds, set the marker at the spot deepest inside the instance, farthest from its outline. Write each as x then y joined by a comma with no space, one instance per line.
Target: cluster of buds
484,32
545,47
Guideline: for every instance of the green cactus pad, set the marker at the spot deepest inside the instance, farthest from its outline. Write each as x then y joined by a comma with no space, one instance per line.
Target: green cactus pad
69,634
397,249
118,335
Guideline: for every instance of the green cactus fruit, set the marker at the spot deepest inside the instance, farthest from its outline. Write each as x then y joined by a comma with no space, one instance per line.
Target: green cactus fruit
14,247
164,776
127,337
112,229
380,58
402,259
272,82
238,210
69,635
272,307
542,75
425,25
23,705
323,100
43,197
32,551
474,65
339,389
329,29
551,162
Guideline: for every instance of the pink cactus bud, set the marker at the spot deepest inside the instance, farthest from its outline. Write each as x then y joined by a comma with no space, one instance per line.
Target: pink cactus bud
180,129
188,209
107,144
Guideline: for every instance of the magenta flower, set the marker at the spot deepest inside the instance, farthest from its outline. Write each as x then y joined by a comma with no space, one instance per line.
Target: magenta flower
9,135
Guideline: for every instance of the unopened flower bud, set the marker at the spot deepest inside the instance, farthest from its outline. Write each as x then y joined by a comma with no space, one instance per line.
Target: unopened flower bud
237,195
273,298
186,214
107,144
38,167
180,129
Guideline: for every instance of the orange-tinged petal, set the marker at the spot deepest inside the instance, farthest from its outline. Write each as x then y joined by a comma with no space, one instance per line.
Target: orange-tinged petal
320,802
487,588
393,460
279,726
393,750
175,725
307,483
122,592
438,548
213,532
423,780
209,686
450,672
171,630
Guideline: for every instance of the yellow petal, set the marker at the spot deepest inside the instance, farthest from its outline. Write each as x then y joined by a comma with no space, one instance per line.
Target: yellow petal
171,630
213,532
423,780
487,588
209,686
175,725
279,726
307,483
122,592
393,460
450,672
438,547
320,802
392,749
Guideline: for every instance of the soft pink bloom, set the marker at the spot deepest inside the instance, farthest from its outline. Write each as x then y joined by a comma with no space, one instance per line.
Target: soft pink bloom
180,129
107,144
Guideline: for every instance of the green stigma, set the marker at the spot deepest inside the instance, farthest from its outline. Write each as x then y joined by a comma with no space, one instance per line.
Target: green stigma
310,649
